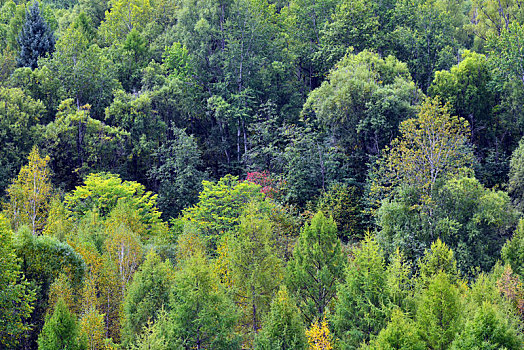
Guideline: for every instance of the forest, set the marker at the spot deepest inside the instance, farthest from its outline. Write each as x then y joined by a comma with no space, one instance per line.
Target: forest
261,174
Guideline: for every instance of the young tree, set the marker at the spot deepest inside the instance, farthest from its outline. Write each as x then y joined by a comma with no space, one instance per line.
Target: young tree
61,331
283,327
318,336
30,194
317,267
146,296
489,329
255,270
202,314
35,39
401,333
363,305
439,312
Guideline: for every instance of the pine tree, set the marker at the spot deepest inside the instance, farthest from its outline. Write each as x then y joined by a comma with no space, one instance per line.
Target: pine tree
61,331
283,328
35,39
317,266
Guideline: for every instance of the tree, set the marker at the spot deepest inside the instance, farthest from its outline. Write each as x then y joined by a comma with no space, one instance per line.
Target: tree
80,145
36,38
513,250
30,194
178,173
362,103
319,337
439,312
432,145
254,270
516,173
146,296
401,333
489,329
61,331
317,267
92,328
19,117
17,297
283,327
202,314
363,305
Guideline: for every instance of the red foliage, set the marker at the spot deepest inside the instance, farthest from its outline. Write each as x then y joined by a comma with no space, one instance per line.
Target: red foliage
270,186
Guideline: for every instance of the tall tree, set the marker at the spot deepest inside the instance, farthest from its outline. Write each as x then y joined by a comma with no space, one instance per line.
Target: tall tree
363,305
146,296
30,194
317,267
36,38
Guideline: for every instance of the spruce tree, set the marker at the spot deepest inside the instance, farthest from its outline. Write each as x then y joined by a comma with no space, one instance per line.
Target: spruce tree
35,39
317,266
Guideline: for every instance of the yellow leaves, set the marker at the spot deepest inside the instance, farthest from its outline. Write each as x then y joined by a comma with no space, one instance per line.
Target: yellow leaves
92,327
430,146
319,336
30,194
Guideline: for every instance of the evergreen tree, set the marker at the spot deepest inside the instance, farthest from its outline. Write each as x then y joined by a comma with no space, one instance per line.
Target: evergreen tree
283,328
61,331
36,38
316,267
362,308
401,333
146,295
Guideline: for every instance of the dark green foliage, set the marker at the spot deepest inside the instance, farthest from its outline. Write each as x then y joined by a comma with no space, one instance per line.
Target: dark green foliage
471,219
36,38
316,268
283,327
42,260
146,296
61,331
19,117
178,173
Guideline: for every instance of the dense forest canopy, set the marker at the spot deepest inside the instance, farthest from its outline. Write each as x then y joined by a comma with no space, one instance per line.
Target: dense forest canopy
259,174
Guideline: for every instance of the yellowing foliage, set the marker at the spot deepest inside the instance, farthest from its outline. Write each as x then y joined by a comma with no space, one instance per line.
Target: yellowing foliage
319,337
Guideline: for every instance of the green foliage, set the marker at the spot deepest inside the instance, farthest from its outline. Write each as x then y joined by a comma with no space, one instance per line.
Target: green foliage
19,117
439,311
17,298
513,250
317,267
401,333
516,173
283,327
61,331
103,191
178,173
146,296
221,204
343,202
363,305
254,269
363,101
489,329
202,313
36,38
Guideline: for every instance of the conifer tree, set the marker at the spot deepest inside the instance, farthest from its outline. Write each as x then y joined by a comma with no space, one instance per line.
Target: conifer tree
316,267
283,328
35,39
61,331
